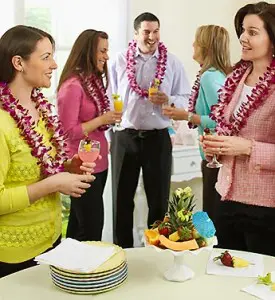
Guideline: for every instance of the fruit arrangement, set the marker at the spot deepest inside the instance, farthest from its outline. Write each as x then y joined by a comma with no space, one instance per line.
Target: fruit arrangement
232,261
267,280
181,229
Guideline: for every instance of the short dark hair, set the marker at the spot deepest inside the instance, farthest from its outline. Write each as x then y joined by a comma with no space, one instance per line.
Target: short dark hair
149,17
82,58
264,10
19,40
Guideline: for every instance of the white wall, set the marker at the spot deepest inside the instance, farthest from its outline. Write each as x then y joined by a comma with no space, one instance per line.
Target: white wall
180,18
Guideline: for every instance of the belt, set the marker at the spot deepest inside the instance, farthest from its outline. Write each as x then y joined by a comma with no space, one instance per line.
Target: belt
144,133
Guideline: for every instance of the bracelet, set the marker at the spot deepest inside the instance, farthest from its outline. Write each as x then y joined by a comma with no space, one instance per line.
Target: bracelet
190,117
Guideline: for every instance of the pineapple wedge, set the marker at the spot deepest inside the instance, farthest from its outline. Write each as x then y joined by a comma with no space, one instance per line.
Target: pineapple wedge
240,262
174,236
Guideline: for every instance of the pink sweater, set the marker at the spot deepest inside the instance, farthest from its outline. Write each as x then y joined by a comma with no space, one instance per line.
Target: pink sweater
251,180
74,108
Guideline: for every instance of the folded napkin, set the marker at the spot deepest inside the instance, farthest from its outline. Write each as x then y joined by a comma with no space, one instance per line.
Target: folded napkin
253,270
76,256
261,291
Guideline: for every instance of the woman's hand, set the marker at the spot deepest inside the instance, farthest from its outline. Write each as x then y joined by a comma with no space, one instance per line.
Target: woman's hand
77,166
174,113
71,184
158,98
111,117
225,145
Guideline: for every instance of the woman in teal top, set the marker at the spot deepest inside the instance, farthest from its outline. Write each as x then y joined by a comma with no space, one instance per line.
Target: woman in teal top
211,51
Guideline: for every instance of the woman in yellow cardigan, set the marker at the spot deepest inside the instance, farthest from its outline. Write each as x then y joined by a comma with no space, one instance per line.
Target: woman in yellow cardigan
33,162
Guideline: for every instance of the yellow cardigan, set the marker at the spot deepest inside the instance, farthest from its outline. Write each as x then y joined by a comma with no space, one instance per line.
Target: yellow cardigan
26,230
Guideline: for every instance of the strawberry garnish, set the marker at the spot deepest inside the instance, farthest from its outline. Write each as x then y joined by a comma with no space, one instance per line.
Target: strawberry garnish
225,258
165,229
207,131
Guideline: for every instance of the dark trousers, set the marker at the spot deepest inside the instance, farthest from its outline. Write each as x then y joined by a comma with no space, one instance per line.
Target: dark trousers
246,227
8,268
210,197
132,150
86,218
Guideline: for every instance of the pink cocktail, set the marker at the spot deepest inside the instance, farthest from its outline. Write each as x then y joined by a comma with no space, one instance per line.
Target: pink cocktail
90,156
88,150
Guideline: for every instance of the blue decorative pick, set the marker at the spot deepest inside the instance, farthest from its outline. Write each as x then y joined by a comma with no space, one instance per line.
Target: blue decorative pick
203,224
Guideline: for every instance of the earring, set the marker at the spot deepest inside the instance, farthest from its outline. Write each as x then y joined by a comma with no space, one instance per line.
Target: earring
22,70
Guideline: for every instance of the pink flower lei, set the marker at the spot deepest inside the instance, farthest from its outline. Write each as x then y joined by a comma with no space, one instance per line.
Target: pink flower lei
131,70
94,88
259,94
49,165
193,98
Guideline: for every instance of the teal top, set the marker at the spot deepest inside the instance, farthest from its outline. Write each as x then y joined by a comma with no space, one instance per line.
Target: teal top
211,81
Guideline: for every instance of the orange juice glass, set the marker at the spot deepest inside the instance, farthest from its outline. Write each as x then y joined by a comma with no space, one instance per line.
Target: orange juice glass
118,105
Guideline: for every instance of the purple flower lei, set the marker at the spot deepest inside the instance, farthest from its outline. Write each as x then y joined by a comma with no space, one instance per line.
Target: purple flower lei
131,69
49,165
259,94
94,88
193,98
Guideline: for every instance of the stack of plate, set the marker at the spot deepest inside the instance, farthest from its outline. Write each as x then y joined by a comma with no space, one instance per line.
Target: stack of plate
108,276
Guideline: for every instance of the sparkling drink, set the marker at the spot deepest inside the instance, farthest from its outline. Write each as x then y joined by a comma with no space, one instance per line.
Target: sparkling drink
90,156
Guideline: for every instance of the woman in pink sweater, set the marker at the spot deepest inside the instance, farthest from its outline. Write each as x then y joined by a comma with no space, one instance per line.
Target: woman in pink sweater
84,109
245,116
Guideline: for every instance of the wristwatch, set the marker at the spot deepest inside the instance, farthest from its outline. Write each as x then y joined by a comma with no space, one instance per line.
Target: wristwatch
190,117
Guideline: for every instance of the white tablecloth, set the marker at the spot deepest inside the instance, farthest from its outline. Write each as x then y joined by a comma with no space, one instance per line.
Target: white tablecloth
145,281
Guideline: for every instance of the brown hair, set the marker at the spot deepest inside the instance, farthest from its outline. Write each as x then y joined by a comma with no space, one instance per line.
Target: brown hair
82,58
149,17
20,40
263,10
213,41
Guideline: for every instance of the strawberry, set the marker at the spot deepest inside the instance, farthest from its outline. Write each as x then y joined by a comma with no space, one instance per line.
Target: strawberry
207,131
165,229
225,258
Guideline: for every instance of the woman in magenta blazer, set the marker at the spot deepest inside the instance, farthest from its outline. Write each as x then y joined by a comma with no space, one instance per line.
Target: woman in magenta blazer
84,109
245,117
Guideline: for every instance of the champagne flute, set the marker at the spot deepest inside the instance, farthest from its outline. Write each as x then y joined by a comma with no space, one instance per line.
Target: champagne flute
153,88
214,163
118,106
88,150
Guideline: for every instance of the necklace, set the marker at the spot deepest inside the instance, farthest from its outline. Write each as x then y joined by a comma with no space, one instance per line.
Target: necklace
193,98
94,88
131,70
259,94
49,165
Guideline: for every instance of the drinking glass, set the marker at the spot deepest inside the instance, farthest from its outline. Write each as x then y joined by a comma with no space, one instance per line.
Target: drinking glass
214,163
118,106
153,88
88,150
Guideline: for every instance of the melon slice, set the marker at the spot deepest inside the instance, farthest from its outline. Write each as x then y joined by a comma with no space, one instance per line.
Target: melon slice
178,246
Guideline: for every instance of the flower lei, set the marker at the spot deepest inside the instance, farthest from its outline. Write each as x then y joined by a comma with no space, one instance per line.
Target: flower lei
259,94
131,70
49,165
193,98
95,90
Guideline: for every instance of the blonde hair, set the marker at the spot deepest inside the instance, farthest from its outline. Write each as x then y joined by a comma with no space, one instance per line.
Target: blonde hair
213,42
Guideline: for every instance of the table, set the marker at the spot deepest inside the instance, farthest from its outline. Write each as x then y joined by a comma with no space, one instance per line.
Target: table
145,281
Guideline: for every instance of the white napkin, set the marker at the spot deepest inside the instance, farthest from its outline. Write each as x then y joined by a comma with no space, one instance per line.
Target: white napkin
76,256
261,291
217,268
